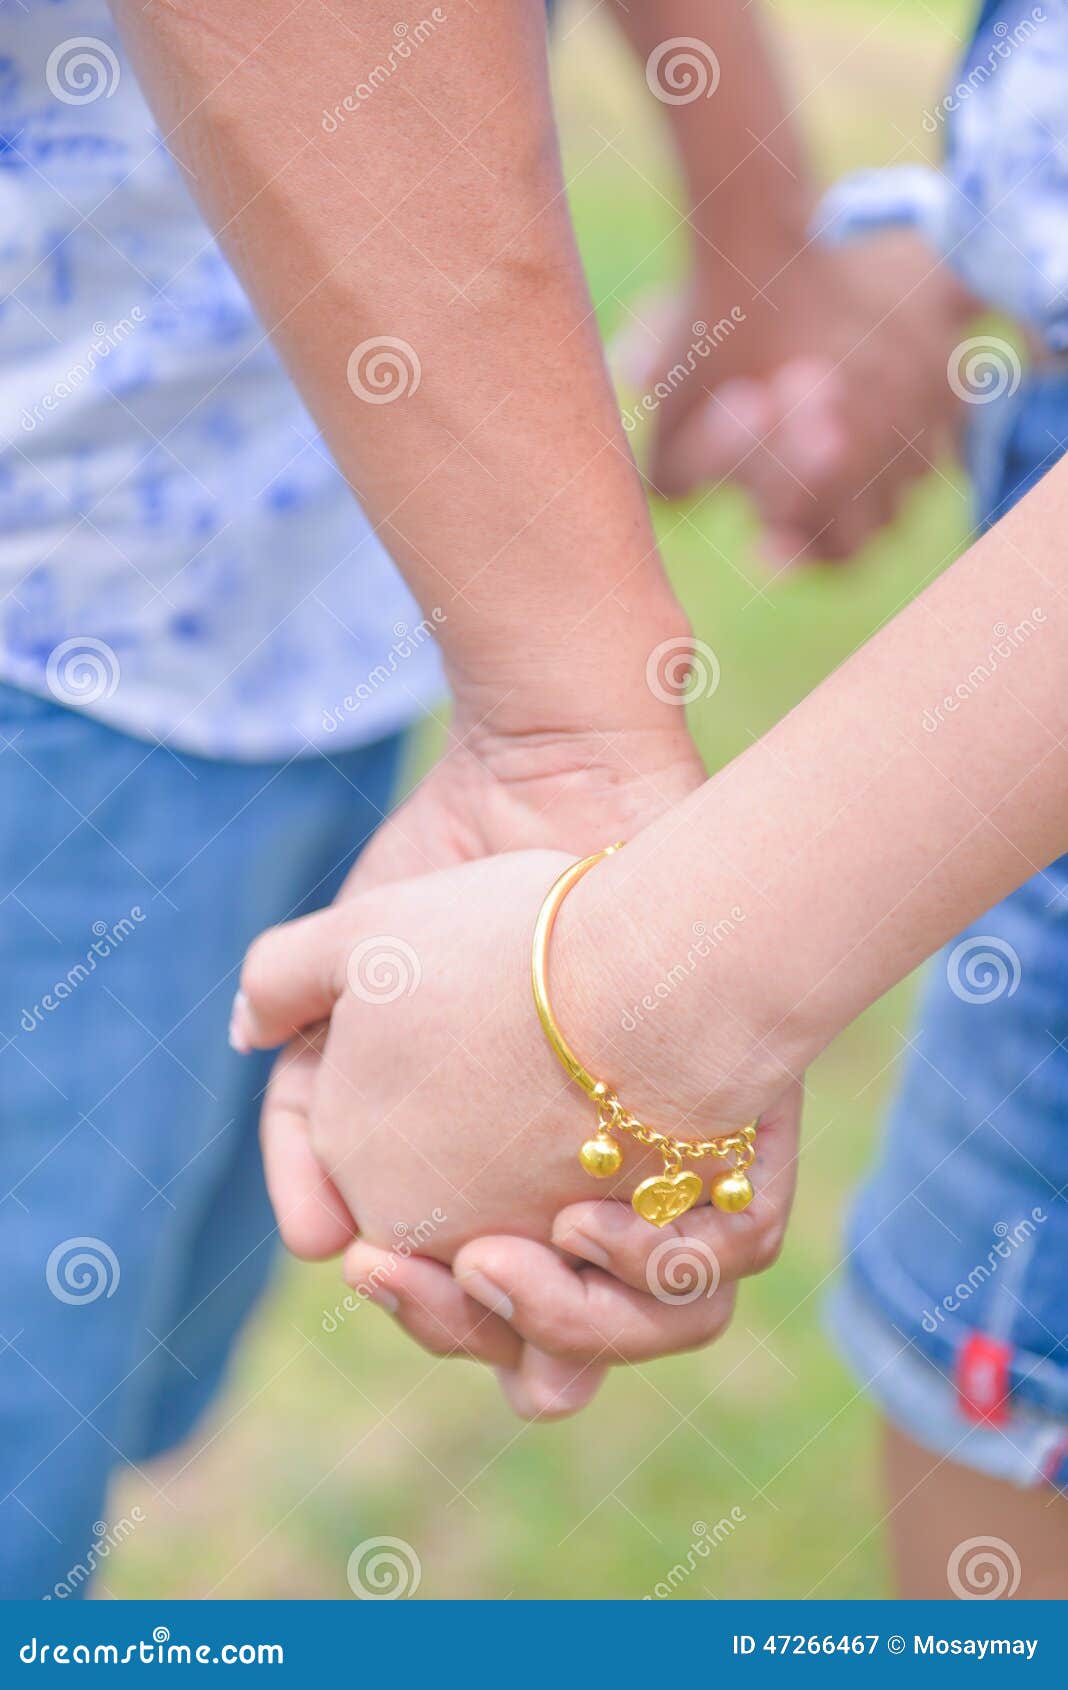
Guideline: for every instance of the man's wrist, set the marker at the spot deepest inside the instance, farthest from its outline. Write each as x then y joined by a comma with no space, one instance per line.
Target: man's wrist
738,236
574,675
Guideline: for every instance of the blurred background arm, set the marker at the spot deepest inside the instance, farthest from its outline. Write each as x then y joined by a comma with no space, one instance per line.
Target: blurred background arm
783,402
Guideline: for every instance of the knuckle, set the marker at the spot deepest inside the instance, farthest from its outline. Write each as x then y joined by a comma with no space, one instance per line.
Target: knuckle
569,1337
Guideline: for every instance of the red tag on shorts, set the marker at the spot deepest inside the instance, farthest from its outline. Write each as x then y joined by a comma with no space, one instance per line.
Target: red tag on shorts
983,1379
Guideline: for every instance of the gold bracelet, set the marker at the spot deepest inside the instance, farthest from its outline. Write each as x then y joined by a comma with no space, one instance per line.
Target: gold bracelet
667,1195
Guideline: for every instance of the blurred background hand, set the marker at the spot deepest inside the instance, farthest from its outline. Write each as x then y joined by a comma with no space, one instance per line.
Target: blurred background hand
825,398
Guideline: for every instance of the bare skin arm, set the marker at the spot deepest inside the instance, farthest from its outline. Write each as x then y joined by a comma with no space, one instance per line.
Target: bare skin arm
429,211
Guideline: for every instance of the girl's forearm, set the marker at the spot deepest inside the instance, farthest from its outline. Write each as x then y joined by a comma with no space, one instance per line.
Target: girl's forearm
922,781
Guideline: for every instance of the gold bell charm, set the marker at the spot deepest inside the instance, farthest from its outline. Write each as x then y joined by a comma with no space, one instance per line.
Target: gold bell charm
732,1191
601,1156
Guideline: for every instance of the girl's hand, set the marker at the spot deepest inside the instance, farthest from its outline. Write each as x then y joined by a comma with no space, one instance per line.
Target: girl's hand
441,1115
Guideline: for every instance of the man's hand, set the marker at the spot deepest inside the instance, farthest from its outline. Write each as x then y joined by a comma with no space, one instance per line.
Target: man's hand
440,1114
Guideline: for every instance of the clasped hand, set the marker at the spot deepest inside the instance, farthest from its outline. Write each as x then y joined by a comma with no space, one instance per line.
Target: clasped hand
426,1104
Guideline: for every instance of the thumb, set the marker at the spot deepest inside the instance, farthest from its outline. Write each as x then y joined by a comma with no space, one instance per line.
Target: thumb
290,978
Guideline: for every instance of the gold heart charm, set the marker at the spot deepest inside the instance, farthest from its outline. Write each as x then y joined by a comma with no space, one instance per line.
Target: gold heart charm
665,1197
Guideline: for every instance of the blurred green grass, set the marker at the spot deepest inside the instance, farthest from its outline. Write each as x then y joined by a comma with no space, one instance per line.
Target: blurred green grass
324,1439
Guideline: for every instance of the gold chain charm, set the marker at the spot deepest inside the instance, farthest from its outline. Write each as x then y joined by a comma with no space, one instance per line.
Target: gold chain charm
668,1194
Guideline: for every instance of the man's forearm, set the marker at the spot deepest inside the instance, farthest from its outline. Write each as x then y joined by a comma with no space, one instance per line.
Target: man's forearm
404,196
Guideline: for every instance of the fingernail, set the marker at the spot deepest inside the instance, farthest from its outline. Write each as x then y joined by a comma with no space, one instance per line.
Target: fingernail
515,1393
581,1245
241,1025
489,1295
384,1299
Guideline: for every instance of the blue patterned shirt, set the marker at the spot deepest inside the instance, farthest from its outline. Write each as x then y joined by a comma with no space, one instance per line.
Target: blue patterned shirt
998,210
178,553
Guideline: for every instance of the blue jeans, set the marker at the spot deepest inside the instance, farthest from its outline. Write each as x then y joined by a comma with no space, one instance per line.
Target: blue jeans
136,1232
954,1305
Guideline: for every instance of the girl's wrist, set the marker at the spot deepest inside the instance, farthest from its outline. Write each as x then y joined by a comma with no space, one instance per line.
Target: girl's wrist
662,996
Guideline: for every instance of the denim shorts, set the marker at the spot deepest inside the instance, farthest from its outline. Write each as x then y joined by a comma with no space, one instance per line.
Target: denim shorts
953,1307
136,1235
